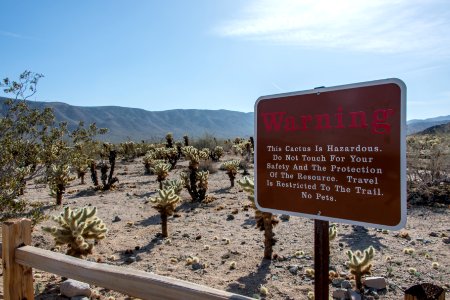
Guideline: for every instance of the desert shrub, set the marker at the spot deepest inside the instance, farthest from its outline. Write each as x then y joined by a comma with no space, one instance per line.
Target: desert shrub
428,162
206,141
21,132
207,165
128,150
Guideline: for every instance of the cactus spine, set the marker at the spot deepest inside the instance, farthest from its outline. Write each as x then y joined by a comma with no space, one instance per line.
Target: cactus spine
264,221
77,229
165,203
359,264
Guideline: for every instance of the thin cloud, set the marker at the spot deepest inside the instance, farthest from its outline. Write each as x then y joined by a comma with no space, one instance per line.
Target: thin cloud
15,35
394,26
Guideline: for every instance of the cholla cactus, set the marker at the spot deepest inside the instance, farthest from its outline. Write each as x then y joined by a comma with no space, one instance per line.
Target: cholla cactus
359,264
194,155
186,140
216,153
148,161
172,155
196,186
175,184
195,182
58,178
81,164
165,203
162,171
128,150
332,232
79,229
264,221
169,140
231,167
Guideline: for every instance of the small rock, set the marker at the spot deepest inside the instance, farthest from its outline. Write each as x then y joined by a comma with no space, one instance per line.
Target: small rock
198,237
346,284
337,282
230,217
185,235
285,218
137,248
72,288
293,269
130,260
377,283
197,266
433,234
340,294
226,256
116,219
354,295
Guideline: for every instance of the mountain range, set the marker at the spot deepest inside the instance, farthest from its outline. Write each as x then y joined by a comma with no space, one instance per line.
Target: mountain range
415,126
136,124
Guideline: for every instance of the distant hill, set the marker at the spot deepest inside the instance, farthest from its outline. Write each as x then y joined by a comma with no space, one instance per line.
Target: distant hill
415,126
138,124
438,129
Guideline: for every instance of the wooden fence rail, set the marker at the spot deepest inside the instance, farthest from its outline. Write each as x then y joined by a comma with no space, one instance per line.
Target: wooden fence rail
18,261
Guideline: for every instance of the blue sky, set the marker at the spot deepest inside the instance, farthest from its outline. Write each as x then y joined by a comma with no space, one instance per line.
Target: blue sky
224,54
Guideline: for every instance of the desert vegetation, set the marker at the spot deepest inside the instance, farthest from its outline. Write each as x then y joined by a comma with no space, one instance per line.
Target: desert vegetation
121,213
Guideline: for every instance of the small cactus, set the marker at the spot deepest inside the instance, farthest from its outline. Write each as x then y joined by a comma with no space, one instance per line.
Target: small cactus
264,221
231,167
165,203
194,155
196,182
216,153
58,178
332,232
175,184
359,264
263,290
162,171
77,229
169,140
408,250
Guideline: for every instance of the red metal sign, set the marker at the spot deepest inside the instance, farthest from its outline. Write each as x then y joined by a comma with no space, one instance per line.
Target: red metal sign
335,154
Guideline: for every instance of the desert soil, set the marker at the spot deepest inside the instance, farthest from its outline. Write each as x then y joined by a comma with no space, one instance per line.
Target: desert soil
229,217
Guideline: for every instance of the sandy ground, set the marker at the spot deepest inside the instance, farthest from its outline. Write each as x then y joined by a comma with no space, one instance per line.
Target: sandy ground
228,217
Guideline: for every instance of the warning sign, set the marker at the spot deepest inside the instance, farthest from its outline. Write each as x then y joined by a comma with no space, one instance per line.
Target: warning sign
335,154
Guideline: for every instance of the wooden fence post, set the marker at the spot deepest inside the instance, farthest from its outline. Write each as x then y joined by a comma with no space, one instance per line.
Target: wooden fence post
17,279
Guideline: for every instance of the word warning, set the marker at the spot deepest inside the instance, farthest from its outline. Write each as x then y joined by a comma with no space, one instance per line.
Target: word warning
335,154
